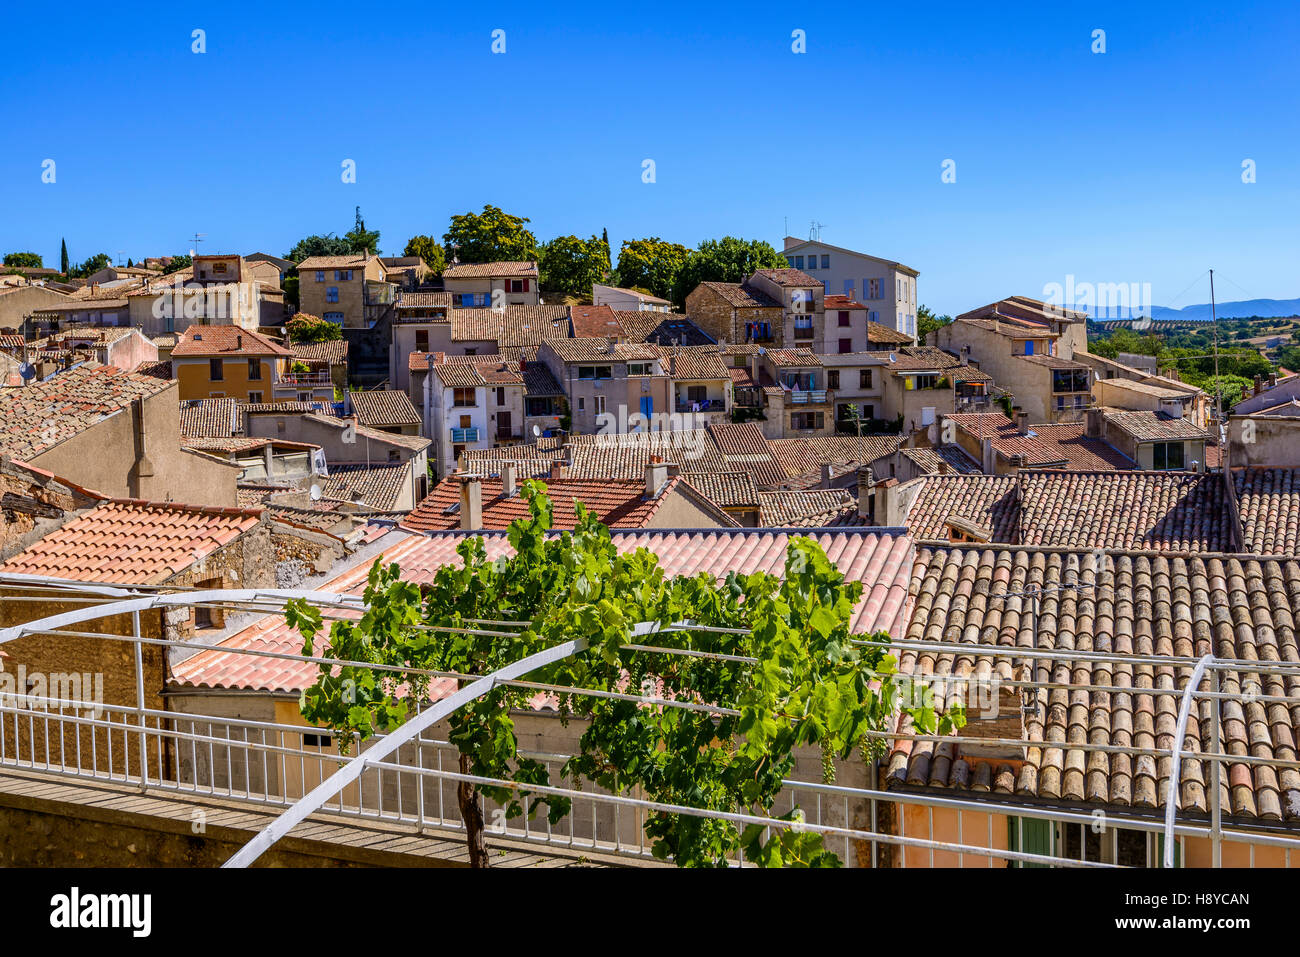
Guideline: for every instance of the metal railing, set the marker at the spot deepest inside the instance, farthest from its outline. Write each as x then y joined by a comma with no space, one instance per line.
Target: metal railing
807,396
274,764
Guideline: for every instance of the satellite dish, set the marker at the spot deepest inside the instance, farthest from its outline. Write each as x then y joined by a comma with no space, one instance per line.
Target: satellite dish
537,431
28,371
315,493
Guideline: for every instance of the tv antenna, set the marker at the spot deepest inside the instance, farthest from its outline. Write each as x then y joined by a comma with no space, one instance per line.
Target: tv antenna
198,238
815,230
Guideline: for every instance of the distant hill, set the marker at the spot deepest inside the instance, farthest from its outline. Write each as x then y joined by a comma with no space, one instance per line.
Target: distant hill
1240,309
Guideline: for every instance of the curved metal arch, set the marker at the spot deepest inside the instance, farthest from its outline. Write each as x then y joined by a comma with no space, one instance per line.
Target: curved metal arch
316,798
129,605
1175,772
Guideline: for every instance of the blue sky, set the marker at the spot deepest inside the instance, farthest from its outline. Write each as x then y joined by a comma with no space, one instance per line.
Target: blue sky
1116,167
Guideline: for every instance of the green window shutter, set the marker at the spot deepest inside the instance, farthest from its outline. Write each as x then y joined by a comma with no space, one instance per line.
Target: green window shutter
1039,835
1160,851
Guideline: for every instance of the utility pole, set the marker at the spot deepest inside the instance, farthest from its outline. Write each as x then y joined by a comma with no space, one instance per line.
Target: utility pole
1218,383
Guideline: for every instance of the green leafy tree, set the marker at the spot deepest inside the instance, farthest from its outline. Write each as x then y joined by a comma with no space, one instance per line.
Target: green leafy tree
490,236
64,265
24,260
177,263
91,266
428,249
304,327
327,245
927,322
651,264
725,260
571,266
800,678
360,239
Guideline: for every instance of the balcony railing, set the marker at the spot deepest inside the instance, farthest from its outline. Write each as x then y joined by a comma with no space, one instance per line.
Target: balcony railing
305,378
701,405
807,396
76,738
465,435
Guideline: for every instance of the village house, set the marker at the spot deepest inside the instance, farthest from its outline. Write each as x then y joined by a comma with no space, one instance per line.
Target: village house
629,300
491,285
393,468
343,289
473,402
1028,348
607,382
132,542
886,288
735,312
849,328
419,323
212,362
214,290
114,431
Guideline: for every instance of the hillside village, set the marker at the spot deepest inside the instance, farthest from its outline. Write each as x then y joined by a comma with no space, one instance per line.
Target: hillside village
251,421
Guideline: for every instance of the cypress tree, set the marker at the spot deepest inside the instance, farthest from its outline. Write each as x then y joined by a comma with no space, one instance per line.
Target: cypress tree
63,258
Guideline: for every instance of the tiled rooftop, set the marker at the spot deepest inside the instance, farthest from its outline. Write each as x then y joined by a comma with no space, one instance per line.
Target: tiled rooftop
132,542
334,352
512,326
741,296
496,270
38,416
377,486
617,503
1162,511
1130,605
1269,504
591,322
210,418
203,341
384,407
881,561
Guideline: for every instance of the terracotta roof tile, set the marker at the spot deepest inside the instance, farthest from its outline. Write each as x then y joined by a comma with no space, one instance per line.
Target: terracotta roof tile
334,352
882,562
512,326
38,416
225,340
726,489
590,322
496,270
132,542
384,407
210,418
617,503
1269,506
1129,604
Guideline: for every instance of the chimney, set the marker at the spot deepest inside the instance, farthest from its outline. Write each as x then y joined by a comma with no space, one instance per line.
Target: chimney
471,504
1259,386
889,506
1094,423
944,467
965,355
509,480
1022,422
559,470
656,474
988,457
1272,379
827,473
865,497
994,723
